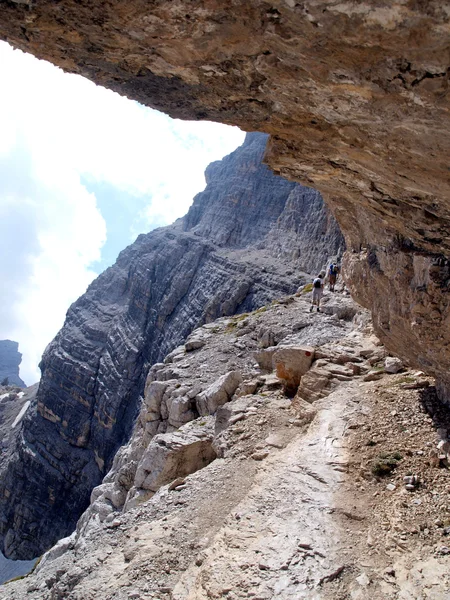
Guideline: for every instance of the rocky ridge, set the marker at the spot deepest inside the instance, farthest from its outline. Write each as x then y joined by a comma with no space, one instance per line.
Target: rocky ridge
10,359
354,95
268,496
163,286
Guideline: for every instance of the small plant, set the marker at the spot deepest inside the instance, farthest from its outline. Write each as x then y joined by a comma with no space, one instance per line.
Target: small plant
405,379
307,288
230,327
241,317
385,463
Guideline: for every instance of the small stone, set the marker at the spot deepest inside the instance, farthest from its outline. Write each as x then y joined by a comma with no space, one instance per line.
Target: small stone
410,487
391,487
373,376
275,441
444,550
134,594
259,455
363,580
177,482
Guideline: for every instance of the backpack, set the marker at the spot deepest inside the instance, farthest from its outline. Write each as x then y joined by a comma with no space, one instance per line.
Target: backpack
317,283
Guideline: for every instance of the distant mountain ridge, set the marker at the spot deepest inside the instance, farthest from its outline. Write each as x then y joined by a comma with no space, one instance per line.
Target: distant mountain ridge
10,359
243,243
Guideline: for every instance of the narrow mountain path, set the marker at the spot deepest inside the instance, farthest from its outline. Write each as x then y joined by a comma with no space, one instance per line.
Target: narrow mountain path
283,539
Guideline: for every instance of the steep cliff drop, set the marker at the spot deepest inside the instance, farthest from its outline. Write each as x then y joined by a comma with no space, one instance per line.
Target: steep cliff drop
245,241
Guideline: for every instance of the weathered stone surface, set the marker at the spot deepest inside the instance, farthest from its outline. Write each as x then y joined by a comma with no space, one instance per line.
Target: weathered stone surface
392,364
10,359
214,262
219,393
291,364
264,358
173,455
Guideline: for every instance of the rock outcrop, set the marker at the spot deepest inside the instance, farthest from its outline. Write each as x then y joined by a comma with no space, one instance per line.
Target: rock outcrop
354,95
209,264
10,359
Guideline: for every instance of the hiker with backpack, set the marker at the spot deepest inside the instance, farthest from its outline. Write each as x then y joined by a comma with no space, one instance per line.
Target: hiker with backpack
333,273
317,292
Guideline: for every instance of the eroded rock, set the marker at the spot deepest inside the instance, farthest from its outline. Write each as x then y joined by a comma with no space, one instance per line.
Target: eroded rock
177,454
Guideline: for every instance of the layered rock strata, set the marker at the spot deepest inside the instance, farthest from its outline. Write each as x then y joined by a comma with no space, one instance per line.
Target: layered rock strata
354,94
209,264
10,359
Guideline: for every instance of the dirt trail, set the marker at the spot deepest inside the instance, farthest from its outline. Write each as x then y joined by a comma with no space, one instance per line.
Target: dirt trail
283,539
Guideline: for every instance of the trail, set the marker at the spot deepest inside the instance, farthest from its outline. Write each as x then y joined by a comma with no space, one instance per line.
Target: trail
283,539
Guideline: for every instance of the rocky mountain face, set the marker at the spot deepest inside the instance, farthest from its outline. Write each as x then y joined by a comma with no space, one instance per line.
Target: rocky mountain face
230,488
354,95
209,264
10,359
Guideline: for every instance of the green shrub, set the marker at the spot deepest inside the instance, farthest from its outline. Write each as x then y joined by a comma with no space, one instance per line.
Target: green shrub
385,463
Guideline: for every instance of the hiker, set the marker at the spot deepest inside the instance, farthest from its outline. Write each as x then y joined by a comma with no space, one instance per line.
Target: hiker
317,291
333,273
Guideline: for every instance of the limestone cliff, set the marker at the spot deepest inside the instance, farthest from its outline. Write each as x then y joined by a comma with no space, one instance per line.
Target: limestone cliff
10,359
209,264
354,94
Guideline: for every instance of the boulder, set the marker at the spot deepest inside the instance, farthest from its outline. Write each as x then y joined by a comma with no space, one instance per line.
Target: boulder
314,385
176,454
180,411
291,363
392,364
218,393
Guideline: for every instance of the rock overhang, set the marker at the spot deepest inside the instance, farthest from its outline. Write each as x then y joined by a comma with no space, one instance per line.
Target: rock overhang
354,95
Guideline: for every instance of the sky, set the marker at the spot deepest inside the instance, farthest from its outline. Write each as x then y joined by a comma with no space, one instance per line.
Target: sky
83,171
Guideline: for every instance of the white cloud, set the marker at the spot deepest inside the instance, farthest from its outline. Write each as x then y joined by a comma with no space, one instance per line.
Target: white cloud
56,131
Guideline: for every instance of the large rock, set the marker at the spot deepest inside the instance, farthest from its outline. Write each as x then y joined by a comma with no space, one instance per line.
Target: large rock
173,455
392,364
291,364
219,393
